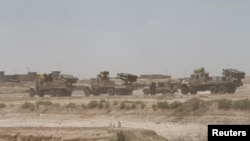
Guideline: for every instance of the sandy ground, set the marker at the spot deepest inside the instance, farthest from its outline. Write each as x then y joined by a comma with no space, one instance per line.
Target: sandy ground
190,127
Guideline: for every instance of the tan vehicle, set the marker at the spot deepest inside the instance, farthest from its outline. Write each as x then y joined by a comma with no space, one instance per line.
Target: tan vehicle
45,85
201,81
103,84
161,87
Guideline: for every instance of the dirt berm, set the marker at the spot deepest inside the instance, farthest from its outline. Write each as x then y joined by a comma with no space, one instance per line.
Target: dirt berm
77,134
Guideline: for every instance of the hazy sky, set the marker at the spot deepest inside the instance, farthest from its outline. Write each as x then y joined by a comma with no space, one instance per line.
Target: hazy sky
84,37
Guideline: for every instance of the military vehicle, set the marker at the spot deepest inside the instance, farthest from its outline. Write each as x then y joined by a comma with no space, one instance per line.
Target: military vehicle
201,81
161,87
62,85
103,84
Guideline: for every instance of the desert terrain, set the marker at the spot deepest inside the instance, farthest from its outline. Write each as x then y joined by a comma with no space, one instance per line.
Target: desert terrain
173,117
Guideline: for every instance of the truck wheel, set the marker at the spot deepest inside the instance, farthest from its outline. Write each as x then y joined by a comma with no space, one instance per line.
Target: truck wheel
222,89
32,93
184,90
87,92
58,93
52,93
111,92
146,92
213,90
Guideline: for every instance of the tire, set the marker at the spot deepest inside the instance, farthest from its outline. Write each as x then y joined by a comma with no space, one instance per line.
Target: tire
32,93
213,90
52,93
111,92
222,89
87,92
184,90
146,92
58,93
193,91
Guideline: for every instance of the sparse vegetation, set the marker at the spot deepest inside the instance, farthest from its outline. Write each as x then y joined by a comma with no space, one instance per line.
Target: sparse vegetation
100,105
71,105
57,105
131,104
123,105
154,107
175,105
44,103
195,105
143,105
162,105
92,104
2,105
83,106
107,104
115,103
28,106
242,104
224,104
103,104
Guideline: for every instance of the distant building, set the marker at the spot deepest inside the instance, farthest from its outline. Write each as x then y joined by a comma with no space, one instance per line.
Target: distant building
31,76
155,76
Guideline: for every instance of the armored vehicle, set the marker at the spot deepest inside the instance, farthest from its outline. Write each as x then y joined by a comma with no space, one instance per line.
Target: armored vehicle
62,85
103,84
161,87
201,81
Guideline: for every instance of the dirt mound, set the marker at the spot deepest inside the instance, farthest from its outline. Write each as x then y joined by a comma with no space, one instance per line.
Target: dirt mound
193,107
77,134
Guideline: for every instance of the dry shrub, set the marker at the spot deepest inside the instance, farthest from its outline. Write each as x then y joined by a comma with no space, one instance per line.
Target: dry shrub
195,105
28,106
71,105
44,103
133,106
162,105
83,106
123,105
242,104
92,104
224,104
175,105
154,107
103,104
100,105
115,103
2,105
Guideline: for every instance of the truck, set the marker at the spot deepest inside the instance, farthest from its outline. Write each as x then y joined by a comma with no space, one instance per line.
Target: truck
201,81
62,85
103,84
169,86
